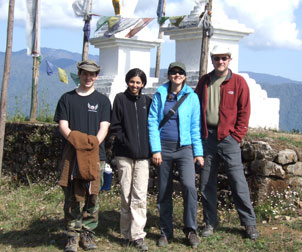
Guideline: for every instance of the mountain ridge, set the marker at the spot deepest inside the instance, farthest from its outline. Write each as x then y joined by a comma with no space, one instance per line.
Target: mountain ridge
50,88
270,79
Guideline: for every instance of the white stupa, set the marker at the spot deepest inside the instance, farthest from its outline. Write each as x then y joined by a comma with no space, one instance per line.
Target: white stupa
188,36
118,54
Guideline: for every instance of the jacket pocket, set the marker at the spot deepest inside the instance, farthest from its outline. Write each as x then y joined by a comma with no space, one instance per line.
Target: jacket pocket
229,100
230,145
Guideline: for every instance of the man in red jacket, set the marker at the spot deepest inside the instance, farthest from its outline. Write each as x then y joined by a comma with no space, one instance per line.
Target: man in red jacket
225,105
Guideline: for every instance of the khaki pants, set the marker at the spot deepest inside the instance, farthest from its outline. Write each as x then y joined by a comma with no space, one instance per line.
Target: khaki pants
133,177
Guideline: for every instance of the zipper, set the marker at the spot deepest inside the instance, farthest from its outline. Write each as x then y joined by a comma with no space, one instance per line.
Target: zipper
137,126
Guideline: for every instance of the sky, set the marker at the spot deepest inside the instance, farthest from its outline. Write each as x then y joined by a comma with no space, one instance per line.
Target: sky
274,48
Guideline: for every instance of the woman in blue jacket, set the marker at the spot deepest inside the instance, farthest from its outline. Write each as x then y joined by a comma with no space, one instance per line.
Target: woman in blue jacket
178,142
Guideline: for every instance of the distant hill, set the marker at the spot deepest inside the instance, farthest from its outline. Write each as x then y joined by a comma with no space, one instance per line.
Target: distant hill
289,92
270,79
50,88
290,104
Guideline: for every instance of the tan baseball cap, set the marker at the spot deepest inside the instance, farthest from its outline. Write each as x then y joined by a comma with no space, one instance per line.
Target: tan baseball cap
89,65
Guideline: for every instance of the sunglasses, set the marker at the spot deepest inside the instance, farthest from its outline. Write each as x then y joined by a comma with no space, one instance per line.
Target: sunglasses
223,58
180,72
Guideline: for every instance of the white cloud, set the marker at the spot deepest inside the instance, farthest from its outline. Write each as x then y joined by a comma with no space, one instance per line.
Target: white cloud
272,20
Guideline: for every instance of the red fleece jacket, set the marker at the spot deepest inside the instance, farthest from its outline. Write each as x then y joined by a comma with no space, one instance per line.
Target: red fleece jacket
234,108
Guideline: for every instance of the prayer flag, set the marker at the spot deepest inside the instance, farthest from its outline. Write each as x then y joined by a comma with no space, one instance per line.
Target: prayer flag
103,20
162,20
75,78
81,8
39,58
86,29
140,25
176,20
49,67
116,6
113,21
31,24
160,8
62,75
121,25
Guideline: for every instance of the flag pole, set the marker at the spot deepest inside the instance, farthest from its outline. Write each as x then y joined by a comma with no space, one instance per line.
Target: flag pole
87,19
5,78
36,65
205,42
159,47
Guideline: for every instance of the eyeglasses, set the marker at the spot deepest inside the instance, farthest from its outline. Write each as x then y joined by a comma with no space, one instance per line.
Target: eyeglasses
223,58
180,72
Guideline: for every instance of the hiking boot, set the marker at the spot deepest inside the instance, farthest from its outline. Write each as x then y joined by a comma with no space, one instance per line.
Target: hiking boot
126,243
140,245
208,230
87,241
193,239
72,244
162,241
251,232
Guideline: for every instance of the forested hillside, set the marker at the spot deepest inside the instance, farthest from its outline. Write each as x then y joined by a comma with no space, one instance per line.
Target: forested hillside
50,88
290,96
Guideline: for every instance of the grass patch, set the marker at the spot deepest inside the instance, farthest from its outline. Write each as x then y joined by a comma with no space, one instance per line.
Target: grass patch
291,141
257,134
277,139
31,219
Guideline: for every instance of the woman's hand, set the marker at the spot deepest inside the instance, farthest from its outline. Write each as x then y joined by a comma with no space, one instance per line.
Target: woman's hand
199,160
156,159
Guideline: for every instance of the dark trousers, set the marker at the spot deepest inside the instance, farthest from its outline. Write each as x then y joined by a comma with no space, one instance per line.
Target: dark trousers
229,151
183,157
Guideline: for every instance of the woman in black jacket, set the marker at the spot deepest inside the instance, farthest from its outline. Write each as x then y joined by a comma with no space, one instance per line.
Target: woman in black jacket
129,125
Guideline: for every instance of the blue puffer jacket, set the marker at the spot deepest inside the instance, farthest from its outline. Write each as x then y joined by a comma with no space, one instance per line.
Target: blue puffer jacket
189,119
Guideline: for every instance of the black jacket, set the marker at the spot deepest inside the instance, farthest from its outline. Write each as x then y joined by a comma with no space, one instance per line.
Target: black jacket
129,125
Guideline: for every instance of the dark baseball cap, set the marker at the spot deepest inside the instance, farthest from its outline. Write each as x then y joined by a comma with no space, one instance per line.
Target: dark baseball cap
177,64
89,65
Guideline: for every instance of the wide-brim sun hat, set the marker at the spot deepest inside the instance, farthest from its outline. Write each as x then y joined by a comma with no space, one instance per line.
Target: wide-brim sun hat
220,50
89,65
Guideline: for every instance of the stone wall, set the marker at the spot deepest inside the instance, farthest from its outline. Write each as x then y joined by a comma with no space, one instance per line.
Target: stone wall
32,152
269,170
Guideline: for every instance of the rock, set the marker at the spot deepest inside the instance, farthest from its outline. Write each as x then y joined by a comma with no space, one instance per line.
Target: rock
286,156
267,168
295,181
257,150
295,169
